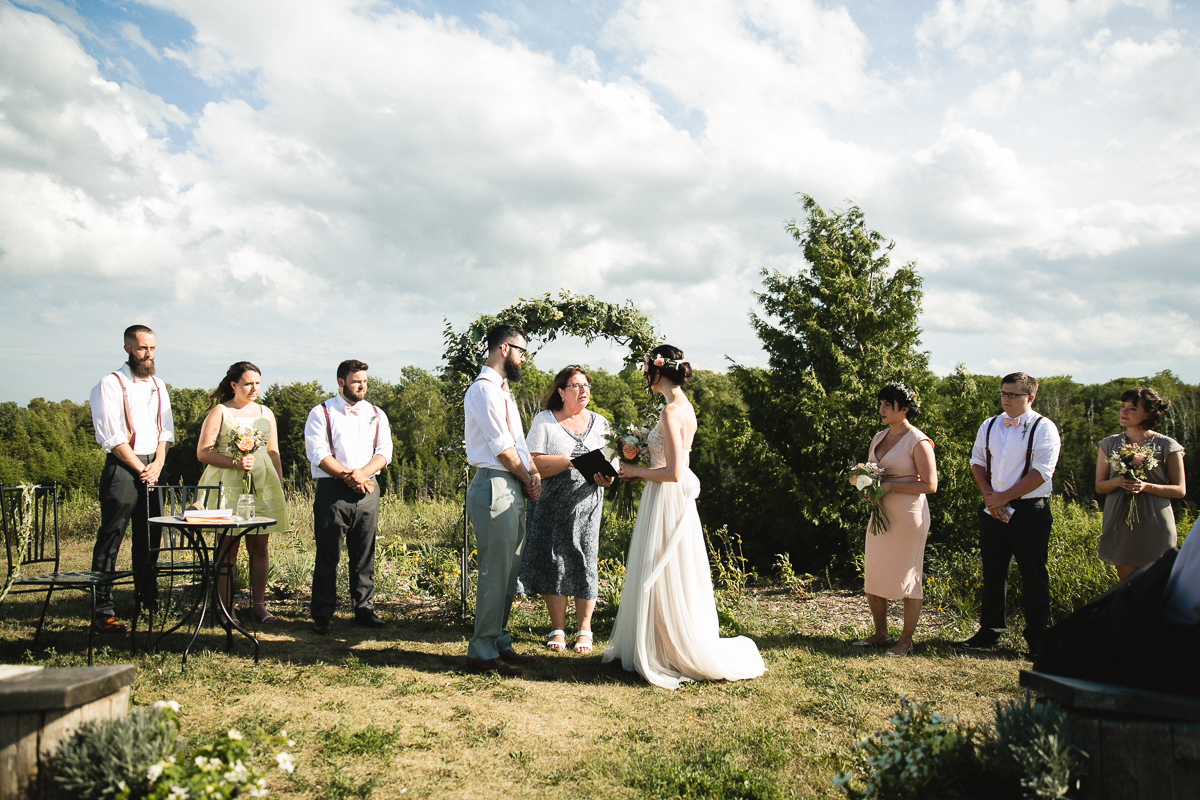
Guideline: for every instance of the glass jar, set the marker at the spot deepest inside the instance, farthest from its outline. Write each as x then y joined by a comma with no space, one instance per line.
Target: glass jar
245,507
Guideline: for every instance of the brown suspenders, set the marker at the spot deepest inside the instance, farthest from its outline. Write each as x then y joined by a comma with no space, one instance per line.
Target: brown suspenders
329,428
987,446
129,414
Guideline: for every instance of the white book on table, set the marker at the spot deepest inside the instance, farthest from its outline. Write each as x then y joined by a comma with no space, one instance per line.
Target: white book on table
210,513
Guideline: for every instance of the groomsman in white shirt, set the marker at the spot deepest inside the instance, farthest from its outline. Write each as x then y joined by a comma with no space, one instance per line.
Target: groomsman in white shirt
504,478
131,414
347,441
1013,460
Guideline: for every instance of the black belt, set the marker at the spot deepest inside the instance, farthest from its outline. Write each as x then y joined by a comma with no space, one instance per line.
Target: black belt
1031,501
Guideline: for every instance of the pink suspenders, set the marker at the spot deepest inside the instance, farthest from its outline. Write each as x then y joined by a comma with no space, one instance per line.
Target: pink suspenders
129,416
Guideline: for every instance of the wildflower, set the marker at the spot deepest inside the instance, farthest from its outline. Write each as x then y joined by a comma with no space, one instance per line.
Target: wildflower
286,762
171,704
235,734
155,770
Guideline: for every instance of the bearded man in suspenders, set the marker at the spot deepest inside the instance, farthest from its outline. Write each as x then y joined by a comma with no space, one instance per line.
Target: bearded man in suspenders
131,413
1013,460
347,441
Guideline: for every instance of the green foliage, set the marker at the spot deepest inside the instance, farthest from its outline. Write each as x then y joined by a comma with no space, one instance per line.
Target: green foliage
106,757
547,318
1030,747
706,772
189,407
834,332
221,770
924,753
49,442
291,403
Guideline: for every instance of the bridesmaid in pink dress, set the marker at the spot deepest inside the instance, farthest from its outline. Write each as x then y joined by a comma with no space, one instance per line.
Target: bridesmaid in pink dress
894,561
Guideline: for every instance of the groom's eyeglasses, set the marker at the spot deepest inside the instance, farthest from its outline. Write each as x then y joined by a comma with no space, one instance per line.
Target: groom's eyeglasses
517,347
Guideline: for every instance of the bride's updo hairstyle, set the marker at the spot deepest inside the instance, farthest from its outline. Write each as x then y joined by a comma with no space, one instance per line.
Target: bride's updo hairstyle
667,361
900,396
224,391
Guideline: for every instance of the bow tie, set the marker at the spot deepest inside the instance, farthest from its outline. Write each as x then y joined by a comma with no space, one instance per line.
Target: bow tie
1009,422
354,411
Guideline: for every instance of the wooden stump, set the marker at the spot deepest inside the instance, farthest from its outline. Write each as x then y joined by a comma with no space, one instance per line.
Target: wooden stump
1141,745
41,707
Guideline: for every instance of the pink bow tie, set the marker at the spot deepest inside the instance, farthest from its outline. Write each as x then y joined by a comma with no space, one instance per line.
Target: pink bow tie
354,411
1009,422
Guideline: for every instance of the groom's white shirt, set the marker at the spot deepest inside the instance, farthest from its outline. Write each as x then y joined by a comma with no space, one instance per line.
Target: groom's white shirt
353,435
493,422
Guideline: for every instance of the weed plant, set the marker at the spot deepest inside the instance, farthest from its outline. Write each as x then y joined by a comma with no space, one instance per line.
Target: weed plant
1030,749
106,754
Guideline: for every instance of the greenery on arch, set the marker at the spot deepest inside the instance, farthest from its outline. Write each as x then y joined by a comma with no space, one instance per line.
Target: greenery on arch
545,318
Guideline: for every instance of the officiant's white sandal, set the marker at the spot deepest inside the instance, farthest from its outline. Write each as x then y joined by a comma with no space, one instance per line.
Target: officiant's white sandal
584,646
556,646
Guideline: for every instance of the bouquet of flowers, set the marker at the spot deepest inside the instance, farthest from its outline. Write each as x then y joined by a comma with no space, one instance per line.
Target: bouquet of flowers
630,443
246,441
868,479
1134,463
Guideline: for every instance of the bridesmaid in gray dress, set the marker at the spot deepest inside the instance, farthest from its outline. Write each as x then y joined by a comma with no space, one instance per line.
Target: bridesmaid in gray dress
562,528
1153,533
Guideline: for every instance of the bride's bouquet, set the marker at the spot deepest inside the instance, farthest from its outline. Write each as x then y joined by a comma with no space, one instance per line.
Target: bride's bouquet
630,443
868,479
1133,462
246,441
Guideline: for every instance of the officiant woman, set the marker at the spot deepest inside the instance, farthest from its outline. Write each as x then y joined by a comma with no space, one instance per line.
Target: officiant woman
893,567
563,526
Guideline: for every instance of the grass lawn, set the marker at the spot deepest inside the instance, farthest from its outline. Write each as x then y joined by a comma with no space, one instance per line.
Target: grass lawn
392,712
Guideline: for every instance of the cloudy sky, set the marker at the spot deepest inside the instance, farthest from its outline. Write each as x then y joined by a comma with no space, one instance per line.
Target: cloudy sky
301,181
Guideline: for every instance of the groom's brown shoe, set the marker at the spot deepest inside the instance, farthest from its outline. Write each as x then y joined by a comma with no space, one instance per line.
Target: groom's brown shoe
513,657
493,665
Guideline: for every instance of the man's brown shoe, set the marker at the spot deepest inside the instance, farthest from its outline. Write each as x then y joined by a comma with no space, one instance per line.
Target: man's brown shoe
513,657
493,664
107,624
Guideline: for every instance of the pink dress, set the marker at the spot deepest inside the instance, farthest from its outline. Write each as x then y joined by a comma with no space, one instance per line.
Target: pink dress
895,559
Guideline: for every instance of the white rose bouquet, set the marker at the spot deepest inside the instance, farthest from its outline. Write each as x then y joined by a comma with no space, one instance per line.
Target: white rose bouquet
868,479
1134,463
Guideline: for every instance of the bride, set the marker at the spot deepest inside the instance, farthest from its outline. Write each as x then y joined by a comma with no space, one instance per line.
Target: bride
667,628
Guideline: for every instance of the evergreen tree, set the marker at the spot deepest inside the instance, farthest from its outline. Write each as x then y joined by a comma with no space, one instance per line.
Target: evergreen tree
834,332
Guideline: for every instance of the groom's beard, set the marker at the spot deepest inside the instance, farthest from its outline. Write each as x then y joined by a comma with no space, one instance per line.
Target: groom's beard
512,370
141,368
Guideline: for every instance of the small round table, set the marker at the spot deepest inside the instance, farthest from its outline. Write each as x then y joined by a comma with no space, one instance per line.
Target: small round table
213,566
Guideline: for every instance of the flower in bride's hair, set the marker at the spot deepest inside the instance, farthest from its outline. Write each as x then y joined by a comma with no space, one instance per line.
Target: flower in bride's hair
658,362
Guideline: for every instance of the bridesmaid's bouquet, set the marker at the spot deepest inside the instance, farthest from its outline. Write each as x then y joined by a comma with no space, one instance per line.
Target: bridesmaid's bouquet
868,479
1133,462
246,441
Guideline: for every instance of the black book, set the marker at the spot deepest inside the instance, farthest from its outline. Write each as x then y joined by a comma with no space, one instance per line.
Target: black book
594,462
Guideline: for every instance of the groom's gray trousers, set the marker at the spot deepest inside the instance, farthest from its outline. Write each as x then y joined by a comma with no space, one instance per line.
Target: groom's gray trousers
496,506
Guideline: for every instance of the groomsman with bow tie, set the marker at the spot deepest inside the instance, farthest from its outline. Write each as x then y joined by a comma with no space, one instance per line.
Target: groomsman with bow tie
504,478
131,414
347,441
1013,460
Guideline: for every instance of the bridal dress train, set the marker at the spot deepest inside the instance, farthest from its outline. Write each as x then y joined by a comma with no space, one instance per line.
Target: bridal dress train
667,628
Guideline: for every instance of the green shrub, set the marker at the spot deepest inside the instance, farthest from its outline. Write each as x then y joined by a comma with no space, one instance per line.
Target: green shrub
924,753
1030,747
105,757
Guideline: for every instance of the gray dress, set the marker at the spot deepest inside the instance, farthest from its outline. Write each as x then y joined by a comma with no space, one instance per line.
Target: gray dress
1154,532
562,528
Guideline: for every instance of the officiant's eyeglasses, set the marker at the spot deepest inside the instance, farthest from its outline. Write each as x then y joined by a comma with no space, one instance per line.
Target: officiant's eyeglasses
579,387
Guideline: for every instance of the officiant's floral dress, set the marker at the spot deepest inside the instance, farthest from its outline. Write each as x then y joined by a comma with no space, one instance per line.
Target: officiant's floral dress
562,527
268,493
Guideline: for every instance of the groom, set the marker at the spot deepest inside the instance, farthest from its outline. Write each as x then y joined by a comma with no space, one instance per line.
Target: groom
504,478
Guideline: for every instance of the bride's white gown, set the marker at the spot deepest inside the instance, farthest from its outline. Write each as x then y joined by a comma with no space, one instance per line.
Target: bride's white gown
667,628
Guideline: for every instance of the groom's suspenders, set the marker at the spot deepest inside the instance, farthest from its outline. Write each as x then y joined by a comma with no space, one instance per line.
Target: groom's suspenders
987,446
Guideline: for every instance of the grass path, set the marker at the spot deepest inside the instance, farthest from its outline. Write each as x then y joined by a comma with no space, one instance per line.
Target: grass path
392,713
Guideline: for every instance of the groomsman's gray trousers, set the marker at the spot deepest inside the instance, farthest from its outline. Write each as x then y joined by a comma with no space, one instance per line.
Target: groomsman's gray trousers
496,506
340,513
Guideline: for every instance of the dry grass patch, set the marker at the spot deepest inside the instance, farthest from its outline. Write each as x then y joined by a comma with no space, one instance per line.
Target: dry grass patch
392,713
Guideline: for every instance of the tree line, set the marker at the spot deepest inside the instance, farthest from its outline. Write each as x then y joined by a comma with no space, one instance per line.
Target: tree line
773,442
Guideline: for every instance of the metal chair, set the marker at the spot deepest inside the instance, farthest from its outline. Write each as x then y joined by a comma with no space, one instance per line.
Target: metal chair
178,560
42,551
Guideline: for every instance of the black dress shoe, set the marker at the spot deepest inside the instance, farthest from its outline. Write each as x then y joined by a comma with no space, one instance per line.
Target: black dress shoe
368,619
493,664
513,657
321,625
980,641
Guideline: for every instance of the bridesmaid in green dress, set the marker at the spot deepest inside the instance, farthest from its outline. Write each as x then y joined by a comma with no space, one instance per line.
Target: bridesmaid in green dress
235,410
